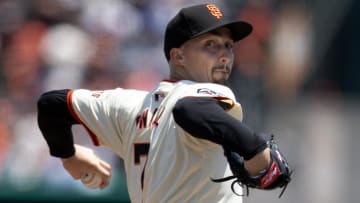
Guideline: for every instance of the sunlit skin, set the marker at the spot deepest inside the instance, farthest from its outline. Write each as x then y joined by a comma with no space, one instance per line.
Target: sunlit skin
206,58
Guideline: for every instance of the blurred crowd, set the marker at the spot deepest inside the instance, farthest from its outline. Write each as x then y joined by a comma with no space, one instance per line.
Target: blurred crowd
95,44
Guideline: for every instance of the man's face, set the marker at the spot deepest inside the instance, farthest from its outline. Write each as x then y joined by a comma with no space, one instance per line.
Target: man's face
209,57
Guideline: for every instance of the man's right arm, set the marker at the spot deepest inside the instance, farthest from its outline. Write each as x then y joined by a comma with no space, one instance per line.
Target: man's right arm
55,121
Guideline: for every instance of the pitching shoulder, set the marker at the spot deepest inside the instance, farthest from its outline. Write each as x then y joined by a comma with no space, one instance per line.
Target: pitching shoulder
110,96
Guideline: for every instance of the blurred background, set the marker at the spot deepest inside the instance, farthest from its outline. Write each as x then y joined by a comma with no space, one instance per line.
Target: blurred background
297,76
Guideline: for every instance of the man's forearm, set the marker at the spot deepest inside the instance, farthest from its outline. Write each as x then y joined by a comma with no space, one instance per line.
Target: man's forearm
204,118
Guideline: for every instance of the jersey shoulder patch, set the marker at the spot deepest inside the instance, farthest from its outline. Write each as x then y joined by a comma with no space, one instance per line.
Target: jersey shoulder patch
220,92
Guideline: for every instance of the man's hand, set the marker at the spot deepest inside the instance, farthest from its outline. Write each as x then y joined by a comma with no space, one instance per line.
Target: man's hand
259,162
277,173
85,161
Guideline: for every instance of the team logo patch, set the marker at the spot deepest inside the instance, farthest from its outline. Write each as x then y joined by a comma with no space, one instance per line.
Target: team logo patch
208,92
97,94
214,10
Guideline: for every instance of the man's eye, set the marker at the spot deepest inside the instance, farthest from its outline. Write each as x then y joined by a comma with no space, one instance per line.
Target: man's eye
210,44
229,45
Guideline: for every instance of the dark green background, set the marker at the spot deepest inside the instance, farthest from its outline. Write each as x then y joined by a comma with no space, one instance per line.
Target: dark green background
115,192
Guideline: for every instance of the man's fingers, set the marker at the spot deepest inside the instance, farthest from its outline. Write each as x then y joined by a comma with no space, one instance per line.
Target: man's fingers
105,169
105,165
105,182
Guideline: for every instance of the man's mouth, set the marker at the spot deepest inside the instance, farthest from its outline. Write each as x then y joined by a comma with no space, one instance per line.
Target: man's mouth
222,69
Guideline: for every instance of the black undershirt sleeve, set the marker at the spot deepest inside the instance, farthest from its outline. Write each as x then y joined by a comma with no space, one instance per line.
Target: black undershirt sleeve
204,118
55,121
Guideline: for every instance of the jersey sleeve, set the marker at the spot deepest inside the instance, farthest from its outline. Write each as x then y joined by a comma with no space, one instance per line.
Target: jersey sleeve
104,114
223,94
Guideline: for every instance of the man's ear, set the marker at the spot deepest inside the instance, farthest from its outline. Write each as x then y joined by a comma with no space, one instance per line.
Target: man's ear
176,56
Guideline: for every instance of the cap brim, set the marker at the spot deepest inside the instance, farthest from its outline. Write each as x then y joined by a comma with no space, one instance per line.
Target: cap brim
239,29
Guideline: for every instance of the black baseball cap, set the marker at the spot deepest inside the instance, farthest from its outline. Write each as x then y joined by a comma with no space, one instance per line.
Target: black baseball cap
194,21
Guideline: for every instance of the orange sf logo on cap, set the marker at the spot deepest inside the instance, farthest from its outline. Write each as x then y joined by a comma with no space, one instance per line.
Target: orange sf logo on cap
214,10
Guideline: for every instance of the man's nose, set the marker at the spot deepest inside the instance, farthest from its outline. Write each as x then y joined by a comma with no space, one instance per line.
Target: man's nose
226,56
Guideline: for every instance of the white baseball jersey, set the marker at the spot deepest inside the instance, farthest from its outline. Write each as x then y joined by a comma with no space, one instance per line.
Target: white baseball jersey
163,163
